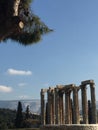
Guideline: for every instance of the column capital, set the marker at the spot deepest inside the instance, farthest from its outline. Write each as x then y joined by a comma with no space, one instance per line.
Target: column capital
44,90
86,82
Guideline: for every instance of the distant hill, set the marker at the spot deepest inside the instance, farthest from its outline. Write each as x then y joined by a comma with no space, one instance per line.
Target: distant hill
34,105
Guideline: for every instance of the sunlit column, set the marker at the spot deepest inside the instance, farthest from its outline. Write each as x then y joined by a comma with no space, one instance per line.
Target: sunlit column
84,104
57,115
75,106
49,106
67,107
61,108
93,104
42,108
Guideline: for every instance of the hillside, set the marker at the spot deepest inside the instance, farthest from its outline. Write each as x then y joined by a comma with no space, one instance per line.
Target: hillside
34,105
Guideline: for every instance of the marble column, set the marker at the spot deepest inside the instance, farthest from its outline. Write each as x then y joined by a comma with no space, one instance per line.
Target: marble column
61,108
46,116
93,104
49,106
89,112
84,104
57,114
75,106
67,107
71,111
42,107
53,106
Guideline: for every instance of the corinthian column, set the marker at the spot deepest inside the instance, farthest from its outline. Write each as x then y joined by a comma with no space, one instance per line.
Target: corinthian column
75,106
93,104
42,107
49,106
61,108
67,107
57,114
84,104
53,107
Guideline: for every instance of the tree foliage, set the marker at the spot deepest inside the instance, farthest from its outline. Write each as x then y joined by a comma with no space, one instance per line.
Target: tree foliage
19,23
7,118
19,116
27,113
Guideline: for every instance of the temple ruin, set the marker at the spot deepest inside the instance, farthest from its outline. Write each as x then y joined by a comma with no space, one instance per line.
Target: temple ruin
62,104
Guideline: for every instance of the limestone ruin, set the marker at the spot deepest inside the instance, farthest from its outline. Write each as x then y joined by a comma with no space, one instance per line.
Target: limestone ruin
62,106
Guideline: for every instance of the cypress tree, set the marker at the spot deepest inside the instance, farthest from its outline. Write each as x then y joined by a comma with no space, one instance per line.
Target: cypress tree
27,113
19,116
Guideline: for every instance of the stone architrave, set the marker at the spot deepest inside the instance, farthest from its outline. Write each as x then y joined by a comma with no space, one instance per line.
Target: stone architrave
76,116
93,104
84,104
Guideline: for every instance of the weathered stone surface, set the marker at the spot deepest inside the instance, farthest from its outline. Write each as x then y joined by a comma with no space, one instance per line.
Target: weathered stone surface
66,111
70,127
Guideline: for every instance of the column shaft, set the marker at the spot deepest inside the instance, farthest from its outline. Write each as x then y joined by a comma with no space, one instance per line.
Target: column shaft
42,108
57,115
61,108
70,110
75,106
49,107
67,108
53,107
93,104
84,105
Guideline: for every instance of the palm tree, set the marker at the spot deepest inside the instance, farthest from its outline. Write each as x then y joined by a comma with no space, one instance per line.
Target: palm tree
19,23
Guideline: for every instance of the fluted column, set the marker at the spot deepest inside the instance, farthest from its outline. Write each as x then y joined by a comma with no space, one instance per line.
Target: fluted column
71,111
53,107
62,104
93,104
89,112
42,107
67,107
57,114
75,106
49,106
61,108
84,104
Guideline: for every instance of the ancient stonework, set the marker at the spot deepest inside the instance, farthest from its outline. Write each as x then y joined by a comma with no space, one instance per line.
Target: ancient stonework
70,127
62,105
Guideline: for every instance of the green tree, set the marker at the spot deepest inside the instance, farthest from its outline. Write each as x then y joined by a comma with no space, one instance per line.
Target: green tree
27,116
19,23
19,116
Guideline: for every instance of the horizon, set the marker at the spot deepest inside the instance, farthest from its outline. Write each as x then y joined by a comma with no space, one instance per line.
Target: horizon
68,55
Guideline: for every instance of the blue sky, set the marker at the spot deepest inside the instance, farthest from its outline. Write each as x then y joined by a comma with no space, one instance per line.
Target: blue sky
67,55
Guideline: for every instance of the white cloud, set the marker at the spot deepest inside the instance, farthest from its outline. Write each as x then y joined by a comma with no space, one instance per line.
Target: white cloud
24,97
18,72
22,84
5,89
